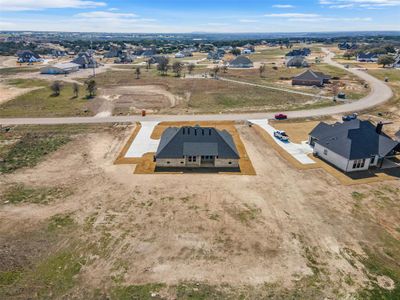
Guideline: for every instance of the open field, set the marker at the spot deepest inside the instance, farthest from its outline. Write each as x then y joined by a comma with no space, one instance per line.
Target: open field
203,95
74,225
40,102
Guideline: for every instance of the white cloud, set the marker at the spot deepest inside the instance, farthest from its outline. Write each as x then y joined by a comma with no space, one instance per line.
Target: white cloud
25,5
105,15
292,15
283,6
360,3
330,19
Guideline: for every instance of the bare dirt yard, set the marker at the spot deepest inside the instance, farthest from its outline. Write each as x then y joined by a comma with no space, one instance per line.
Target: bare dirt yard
74,225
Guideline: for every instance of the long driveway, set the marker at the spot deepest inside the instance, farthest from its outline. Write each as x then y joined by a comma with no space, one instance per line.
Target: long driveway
380,93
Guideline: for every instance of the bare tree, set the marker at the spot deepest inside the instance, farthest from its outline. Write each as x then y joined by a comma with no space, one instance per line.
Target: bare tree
137,72
261,69
163,65
148,64
216,71
177,68
91,87
191,67
75,89
56,88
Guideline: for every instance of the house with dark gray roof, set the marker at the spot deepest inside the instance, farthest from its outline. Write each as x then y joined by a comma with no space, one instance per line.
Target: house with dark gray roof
354,145
311,78
241,62
367,57
85,60
296,62
196,147
27,56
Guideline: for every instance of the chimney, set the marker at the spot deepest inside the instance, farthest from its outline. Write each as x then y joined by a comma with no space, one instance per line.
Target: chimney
379,127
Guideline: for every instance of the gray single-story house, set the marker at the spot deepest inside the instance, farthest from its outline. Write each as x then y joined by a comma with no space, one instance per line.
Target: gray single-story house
367,57
60,68
241,62
296,62
196,147
28,56
354,145
311,78
85,60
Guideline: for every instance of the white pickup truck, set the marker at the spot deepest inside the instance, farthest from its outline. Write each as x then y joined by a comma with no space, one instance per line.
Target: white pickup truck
280,134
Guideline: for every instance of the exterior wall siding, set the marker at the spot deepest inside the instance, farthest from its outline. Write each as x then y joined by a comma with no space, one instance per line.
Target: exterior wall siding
184,163
173,162
226,163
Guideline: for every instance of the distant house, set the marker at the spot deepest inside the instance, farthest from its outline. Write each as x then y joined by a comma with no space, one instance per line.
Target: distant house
396,63
296,62
180,55
114,52
156,59
299,52
149,52
353,145
60,68
58,53
124,58
241,62
246,51
347,46
196,147
311,78
28,56
367,57
215,55
85,60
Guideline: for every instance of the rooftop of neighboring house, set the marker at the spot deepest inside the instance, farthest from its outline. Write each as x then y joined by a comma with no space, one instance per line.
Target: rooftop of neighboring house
196,141
312,75
355,139
241,60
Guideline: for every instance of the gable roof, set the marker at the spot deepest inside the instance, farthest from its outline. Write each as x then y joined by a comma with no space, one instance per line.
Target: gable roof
353,139
312,75
241,60
192,141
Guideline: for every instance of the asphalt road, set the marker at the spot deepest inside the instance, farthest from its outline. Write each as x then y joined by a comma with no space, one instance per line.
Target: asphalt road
380,93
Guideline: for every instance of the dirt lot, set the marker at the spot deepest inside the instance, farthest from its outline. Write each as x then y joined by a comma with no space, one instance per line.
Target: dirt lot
285,233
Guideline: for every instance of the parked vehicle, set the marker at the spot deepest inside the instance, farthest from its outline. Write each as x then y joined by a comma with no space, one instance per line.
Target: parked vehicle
280,117
350,117
280,134
341,95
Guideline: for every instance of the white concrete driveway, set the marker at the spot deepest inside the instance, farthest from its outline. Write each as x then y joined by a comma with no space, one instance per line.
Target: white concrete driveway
298,151
143,143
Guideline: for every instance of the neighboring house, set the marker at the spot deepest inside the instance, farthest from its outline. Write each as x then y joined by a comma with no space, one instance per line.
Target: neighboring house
156,59
114,52
28,56
124,58
246,51
241,62
311,78
85,60
58,53
60,68
180,55
353,145
396,63
296,62
347,46
196,147
367,57
149,53
215,55
299,52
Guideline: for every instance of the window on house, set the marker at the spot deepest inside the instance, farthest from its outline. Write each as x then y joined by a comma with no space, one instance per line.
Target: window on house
194,158
325,152
354,164
363,163
189,158
372,160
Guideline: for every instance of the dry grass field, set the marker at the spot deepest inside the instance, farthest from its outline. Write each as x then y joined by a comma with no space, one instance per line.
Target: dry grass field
75,225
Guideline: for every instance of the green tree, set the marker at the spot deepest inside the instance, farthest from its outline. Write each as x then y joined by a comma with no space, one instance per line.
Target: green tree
385,60
91,87
56,88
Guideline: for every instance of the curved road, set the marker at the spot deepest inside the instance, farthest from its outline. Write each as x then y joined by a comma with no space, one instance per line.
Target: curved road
379,94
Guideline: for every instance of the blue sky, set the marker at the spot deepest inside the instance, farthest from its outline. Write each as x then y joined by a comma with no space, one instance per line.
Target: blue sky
204,16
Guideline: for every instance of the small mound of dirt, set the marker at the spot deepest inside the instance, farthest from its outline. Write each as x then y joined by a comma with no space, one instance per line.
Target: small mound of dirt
386,282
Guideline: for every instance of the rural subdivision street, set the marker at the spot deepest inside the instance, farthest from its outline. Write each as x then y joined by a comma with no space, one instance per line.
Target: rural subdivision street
380,93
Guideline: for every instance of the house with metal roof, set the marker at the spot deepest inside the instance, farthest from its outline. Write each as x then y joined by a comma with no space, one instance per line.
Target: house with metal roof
60,68
196,147
354,145
27,56
367,57
241,62
85,60
311,78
